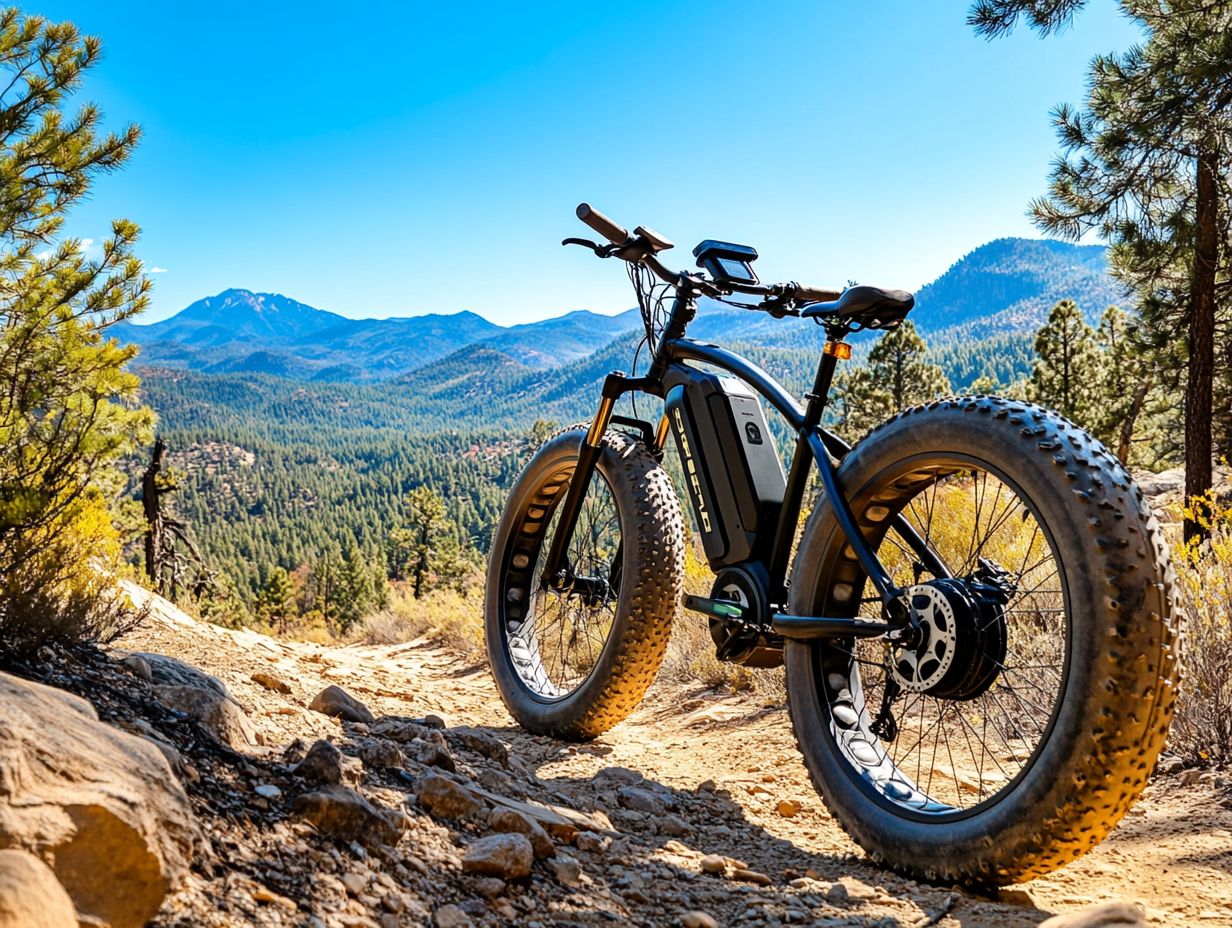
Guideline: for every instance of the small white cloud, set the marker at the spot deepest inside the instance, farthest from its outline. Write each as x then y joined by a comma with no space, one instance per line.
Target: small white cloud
84,245
158,270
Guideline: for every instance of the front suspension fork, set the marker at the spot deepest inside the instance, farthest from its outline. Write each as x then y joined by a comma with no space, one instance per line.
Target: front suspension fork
557,573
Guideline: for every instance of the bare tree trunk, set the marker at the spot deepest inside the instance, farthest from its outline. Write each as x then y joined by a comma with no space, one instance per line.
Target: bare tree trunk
151,504
1131,419
1200,383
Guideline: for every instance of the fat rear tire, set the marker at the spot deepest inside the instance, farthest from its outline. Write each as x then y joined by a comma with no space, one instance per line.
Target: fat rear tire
1122,668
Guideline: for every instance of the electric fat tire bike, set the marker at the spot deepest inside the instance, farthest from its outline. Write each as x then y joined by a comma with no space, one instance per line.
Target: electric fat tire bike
978,623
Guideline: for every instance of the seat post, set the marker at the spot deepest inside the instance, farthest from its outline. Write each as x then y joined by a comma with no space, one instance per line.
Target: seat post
801,461
827,364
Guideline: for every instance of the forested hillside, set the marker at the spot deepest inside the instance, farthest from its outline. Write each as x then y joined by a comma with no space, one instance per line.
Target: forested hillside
1009,285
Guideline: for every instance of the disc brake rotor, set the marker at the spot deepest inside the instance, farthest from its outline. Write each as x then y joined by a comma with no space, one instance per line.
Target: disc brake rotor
960,646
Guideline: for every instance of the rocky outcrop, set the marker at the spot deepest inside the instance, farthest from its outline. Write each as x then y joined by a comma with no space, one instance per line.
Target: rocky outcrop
30,894
100,805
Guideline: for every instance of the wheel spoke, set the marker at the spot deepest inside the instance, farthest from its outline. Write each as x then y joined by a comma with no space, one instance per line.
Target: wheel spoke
986,738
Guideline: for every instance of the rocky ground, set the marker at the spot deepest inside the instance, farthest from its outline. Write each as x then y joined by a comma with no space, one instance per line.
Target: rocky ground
386,786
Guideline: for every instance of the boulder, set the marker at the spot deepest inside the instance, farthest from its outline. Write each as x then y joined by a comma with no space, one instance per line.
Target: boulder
101,805
568,871
697,919
378,753
482,742
403,730
218,714
451,916
511,821
337,702
30,894
507,856
138,666
322,764
343,813
446,799
431,754
167,671
641,800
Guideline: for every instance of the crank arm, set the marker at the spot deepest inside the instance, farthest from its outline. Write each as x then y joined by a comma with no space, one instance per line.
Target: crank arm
715,608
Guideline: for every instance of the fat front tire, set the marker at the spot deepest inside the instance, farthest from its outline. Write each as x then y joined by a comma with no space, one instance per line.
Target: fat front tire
1092,743
570,665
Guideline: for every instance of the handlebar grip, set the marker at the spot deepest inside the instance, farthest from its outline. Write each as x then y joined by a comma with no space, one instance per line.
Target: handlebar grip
806,294
613,232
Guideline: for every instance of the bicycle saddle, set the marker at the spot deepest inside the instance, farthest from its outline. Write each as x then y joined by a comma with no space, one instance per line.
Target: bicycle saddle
867,307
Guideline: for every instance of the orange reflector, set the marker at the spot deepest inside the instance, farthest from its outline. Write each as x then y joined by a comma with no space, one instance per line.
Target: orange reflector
840,350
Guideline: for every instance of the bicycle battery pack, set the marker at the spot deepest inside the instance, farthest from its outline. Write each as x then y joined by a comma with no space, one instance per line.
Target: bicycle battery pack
733,474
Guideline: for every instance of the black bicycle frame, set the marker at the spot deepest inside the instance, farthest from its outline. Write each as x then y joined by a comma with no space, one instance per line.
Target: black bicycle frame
814,444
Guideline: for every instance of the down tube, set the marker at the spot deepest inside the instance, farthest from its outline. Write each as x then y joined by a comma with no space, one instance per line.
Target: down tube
682,349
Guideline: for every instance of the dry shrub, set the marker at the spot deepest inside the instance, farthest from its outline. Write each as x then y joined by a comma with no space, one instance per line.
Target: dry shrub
1202,727
444,616
52,597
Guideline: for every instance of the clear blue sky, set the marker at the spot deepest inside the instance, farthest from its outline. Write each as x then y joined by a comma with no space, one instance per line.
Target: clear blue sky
390,158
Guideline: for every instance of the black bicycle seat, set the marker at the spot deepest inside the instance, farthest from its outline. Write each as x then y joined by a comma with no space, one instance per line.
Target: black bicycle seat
867,307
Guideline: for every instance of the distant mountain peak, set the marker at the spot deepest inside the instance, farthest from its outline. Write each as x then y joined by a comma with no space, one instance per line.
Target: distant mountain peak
1007,285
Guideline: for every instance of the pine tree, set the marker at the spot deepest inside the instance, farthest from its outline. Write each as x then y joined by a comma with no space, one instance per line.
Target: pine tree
417,541
67,410
355,588
1127,382
1145,165
1069,367
897,376
276,604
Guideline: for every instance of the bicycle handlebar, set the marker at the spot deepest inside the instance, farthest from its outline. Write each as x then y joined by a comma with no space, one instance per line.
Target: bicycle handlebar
618,235
612,231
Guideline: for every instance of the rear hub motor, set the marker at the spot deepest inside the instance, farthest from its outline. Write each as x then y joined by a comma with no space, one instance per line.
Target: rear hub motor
959,647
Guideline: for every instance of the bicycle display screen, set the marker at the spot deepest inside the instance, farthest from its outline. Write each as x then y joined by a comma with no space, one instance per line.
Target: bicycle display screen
734,269
725,261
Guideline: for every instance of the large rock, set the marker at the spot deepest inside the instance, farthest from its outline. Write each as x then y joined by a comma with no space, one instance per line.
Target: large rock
167,671
482,742
511,821
508,856
344,813
218,714
100,805
322,764
446,799
335,701
30,894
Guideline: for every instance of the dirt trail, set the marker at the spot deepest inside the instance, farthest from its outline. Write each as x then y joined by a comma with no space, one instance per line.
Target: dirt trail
1173,854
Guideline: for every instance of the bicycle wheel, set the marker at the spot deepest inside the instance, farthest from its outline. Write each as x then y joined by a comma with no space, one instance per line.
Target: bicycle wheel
1012,731
573,663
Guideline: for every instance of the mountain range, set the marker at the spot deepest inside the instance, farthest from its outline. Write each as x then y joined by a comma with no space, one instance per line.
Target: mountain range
1004,286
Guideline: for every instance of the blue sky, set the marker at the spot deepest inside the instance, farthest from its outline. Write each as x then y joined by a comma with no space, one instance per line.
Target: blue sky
403,158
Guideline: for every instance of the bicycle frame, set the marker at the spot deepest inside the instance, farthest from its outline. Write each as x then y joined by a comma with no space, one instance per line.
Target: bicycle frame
814,445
